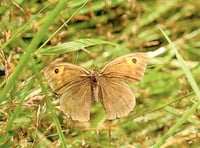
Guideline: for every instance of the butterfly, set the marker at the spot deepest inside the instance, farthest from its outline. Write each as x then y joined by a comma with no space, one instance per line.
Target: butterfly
78,87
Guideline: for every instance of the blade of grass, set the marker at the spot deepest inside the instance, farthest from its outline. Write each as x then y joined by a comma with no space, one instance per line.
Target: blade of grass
15,114
155,108
65,23
73,46
19,30
32,46
194,86
49,105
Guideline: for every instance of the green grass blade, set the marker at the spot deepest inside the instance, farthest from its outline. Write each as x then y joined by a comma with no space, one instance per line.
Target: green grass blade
72,46
49,106
194,86
19,30
15,114
32,46
65,23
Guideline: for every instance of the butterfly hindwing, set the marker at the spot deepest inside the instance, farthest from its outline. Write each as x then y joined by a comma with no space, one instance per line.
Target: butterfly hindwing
75,102
117,97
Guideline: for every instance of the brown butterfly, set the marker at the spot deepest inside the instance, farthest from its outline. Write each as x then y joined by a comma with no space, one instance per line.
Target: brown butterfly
78,87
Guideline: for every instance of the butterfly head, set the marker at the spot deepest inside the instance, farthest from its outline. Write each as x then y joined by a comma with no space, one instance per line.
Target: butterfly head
94,76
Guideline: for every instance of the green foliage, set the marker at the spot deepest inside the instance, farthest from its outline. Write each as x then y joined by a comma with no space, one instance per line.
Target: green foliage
91,33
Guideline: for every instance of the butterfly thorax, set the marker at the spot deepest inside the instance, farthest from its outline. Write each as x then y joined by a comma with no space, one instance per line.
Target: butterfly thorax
95,76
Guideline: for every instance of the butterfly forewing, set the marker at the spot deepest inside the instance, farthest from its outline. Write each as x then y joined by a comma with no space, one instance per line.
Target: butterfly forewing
60,76
129,67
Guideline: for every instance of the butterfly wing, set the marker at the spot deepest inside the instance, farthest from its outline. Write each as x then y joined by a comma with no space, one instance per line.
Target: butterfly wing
76,101
129,67
73,83
117,97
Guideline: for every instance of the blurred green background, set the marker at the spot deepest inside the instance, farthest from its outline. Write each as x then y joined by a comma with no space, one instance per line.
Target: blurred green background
92,33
